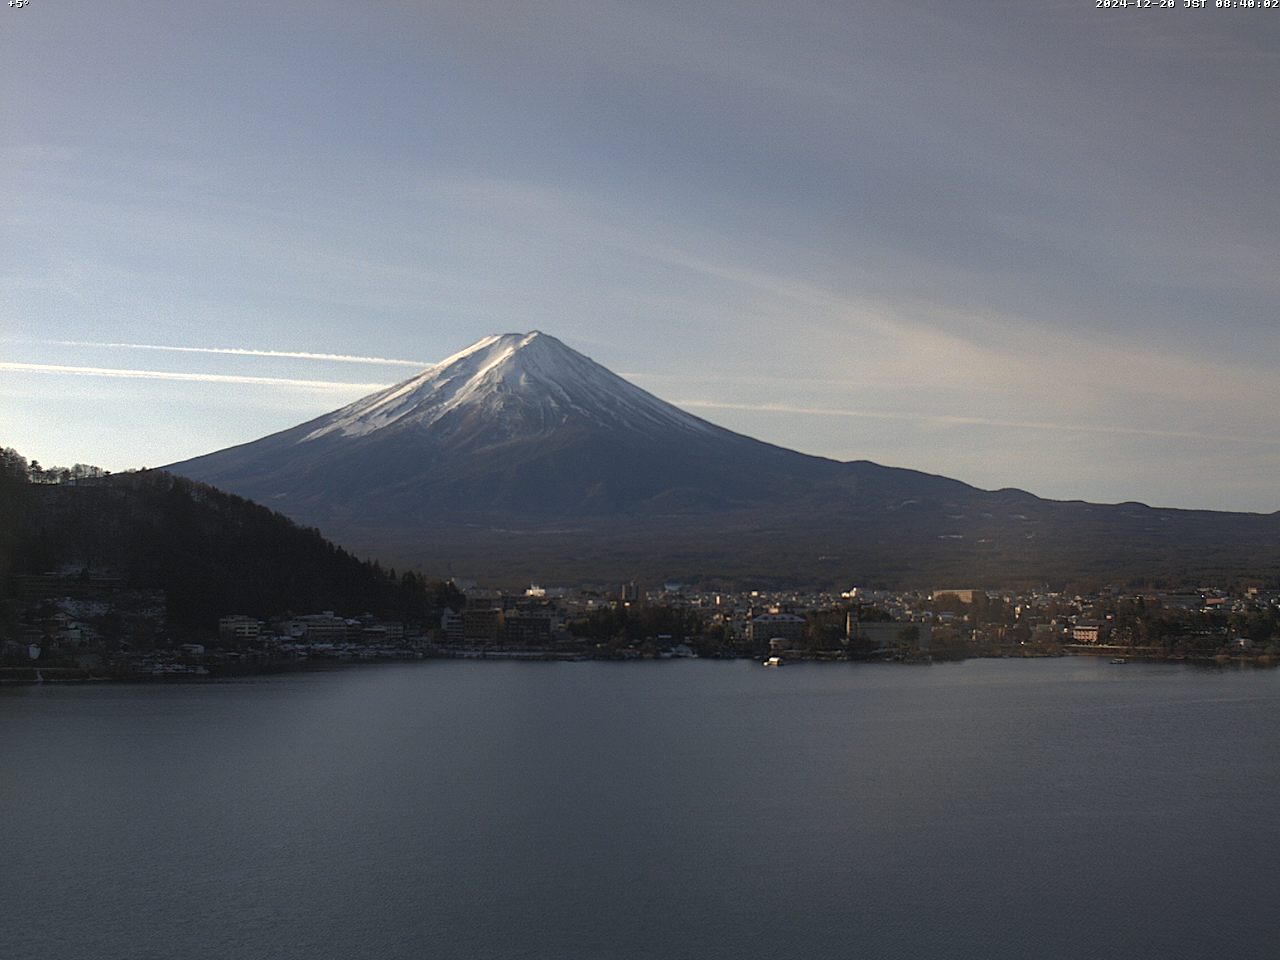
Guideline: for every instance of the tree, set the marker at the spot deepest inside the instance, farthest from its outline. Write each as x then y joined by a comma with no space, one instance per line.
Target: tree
13,465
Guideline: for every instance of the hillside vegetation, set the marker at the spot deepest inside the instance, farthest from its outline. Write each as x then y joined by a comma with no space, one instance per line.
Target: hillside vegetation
212,553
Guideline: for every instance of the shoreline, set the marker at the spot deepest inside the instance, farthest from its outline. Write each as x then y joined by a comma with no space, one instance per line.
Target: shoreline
71,676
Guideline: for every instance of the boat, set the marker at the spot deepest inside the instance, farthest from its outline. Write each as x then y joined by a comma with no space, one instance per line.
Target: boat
774,661
1117,659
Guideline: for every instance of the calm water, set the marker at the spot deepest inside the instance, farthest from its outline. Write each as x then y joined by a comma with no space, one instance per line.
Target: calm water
1053,808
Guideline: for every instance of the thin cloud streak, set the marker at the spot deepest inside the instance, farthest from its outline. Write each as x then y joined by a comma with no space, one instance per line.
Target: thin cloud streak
235,352
949,420
125,374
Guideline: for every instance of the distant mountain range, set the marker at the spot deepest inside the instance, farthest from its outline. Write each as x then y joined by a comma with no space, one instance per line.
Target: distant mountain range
520,457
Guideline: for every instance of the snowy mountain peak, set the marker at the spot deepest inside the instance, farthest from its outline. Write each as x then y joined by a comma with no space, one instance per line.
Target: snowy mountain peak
508,385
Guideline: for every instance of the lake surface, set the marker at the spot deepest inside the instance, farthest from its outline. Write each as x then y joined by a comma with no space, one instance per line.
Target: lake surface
1046,808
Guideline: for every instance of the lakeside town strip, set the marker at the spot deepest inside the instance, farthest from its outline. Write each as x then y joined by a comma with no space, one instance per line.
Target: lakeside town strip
80,625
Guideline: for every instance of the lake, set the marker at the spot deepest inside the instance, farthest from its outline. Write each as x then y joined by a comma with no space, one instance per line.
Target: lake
1064,808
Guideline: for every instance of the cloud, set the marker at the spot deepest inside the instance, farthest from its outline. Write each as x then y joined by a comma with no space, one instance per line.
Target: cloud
952,420
116,373
236,352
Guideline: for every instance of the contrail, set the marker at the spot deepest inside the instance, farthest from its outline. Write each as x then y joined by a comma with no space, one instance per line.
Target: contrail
951,420
235,352
190,377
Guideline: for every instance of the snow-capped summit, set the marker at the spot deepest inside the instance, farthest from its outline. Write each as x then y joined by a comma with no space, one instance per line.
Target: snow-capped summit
519,383
516,424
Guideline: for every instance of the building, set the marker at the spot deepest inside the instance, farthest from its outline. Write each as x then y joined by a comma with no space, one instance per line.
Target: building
452,625
782,626
529,627
482,624
239,629
322,628
1086,631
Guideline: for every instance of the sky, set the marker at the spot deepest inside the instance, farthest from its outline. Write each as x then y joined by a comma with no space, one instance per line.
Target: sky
1020,244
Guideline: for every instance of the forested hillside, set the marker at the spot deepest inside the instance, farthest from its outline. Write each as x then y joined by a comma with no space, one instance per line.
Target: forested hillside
211,552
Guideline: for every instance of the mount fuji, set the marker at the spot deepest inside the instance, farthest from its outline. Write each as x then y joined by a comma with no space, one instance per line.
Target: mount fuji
520,457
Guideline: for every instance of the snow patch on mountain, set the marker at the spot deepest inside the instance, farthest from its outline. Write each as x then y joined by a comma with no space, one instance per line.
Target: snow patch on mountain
523,379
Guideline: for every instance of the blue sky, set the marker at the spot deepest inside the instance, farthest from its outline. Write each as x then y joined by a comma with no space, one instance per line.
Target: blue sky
1031,245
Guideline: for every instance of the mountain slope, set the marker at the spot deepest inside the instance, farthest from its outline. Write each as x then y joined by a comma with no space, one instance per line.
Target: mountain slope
520,457
516,426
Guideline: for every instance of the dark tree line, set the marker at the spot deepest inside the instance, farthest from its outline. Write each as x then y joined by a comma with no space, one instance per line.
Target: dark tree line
212,553
15,465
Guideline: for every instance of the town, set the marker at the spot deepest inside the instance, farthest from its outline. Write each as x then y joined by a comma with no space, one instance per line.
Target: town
80,625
